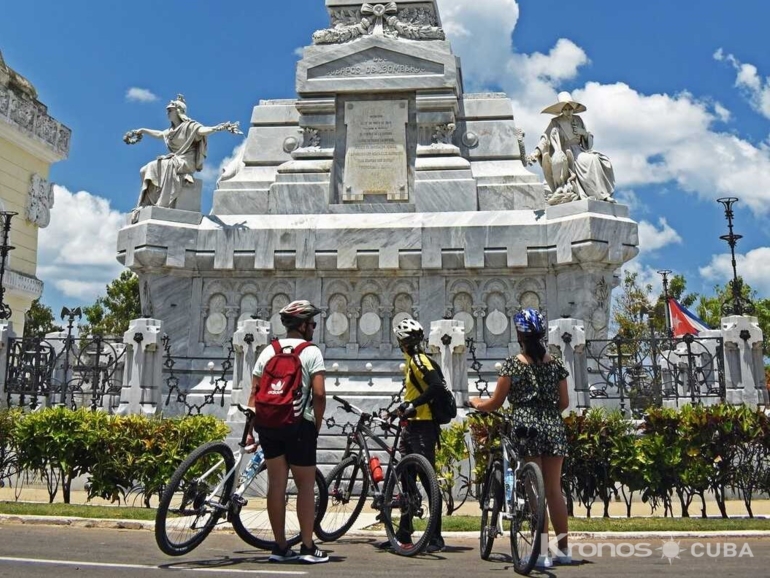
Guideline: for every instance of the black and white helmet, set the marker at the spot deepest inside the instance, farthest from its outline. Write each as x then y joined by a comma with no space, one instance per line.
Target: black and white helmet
298,311
408,331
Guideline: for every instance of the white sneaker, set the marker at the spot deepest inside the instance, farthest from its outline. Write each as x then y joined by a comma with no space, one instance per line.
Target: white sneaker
562,558
544,562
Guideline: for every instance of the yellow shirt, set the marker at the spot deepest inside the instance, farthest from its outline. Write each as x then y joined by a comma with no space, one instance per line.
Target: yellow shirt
416,368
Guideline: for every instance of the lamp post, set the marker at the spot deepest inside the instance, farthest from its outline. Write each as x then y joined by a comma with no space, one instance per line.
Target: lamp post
5,248
665,273
738,305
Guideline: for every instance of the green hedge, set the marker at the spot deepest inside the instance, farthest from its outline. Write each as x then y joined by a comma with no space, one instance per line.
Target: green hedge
670,455
116,453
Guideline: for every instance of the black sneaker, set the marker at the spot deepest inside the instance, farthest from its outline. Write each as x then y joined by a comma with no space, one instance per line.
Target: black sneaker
386,545
279,554
435,545
313,555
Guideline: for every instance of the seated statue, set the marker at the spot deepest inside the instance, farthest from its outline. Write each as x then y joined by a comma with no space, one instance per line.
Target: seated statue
163,178
572,169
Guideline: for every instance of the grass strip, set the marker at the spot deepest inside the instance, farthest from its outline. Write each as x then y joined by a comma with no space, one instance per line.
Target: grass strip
651,524
76,511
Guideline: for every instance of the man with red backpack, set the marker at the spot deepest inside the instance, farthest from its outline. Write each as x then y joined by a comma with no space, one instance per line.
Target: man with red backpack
289,399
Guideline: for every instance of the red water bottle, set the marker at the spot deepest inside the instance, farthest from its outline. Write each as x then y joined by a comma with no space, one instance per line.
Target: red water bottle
376,469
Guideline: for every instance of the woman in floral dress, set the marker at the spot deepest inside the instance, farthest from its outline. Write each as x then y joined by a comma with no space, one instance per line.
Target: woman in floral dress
535,384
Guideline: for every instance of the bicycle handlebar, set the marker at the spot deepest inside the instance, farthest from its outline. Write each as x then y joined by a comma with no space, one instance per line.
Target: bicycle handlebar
350,408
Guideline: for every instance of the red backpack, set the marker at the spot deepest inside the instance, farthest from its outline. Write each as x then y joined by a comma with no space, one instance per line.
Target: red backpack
278,401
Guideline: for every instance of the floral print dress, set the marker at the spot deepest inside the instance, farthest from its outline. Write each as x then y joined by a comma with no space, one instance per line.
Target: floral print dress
534,397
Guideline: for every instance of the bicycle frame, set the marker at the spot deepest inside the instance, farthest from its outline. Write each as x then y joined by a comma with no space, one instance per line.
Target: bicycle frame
359,438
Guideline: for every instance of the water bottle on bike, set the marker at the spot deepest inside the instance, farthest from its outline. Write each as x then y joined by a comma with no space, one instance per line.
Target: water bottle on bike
253,466
508,482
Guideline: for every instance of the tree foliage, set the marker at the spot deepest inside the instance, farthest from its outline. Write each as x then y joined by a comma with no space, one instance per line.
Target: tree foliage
111,314
39,320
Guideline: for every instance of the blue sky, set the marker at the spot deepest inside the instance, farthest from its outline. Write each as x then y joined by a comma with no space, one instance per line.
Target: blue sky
683,121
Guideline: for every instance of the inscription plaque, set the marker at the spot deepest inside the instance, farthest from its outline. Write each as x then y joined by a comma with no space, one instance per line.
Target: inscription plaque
375,157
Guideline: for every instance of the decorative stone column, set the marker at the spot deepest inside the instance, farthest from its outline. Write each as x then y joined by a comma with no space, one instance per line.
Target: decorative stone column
744,365
353,313
447,337
143,374
6,333
568,336
386,313
252,335
480,312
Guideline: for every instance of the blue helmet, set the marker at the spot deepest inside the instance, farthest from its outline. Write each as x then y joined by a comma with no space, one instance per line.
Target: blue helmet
529,322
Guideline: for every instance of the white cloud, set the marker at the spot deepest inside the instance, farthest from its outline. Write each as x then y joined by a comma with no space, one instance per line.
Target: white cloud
748,81
650,138
651,238
136,94
753,267
77,250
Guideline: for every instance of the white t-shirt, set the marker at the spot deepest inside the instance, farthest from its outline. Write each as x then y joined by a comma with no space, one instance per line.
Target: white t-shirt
312,362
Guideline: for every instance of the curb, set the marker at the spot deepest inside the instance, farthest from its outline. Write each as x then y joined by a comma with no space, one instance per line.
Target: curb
149,525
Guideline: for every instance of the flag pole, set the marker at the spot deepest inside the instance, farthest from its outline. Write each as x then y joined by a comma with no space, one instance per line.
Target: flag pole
665,273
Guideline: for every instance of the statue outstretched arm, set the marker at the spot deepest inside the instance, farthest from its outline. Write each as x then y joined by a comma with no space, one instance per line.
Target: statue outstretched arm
231,127
151,132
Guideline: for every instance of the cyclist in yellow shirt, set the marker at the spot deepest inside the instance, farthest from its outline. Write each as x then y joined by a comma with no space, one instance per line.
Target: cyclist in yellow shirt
421,435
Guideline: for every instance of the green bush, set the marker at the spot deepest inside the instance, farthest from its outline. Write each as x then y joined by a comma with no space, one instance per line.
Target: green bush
115,452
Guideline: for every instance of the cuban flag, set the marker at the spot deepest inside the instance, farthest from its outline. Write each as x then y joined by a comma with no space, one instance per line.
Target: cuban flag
683,320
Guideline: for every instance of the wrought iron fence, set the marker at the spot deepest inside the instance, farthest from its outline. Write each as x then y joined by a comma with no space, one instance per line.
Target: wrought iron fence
68,371
180,384
635,374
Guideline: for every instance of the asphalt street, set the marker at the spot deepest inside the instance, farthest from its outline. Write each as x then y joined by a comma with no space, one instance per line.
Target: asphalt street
65,552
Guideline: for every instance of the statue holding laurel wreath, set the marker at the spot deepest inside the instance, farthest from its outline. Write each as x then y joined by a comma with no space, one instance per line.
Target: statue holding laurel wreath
164,178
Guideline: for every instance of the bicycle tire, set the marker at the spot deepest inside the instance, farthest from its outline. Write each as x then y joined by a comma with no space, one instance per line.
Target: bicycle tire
345,489
528,518
409,498
491,503
251,522
215,460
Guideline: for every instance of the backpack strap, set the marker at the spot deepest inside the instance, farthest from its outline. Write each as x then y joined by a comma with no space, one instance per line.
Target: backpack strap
302,346
276,346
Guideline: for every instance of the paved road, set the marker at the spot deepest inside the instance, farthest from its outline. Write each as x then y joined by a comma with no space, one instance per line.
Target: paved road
46,552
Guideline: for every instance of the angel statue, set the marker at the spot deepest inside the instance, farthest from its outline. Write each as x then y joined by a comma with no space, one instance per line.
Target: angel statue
164,178
572,169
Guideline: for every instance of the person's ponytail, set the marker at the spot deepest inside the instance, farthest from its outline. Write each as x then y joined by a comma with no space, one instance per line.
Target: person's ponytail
532,346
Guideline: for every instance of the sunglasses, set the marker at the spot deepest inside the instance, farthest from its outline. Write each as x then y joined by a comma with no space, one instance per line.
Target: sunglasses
313,324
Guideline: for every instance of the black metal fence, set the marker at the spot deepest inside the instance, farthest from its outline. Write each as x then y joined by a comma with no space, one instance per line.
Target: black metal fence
634,374
69,371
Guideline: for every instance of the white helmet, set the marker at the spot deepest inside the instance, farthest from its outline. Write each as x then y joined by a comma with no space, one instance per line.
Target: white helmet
298,311
408,332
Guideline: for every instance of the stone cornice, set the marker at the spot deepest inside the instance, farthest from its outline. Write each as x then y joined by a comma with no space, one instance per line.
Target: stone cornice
26,122
22,285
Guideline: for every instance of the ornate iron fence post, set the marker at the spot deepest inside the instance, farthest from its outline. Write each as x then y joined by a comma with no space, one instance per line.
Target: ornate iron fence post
738,305
5,248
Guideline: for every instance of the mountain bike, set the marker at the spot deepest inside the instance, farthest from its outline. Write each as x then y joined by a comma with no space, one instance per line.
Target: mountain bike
515,499
408,487
202,493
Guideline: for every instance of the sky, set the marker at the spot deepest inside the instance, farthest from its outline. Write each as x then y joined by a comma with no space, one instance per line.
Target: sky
678,96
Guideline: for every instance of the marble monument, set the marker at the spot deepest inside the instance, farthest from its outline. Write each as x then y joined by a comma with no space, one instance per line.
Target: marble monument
381,191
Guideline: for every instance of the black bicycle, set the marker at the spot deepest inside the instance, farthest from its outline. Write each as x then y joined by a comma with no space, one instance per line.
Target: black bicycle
516,500
408,487
202,493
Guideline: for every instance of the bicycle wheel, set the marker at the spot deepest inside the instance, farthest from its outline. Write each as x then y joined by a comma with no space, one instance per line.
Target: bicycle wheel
491,503
249,517
195,498
528,517
348,487
412,491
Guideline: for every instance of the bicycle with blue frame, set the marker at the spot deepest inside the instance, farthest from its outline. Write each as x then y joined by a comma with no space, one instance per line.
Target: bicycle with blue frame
202,493
515,500
408,487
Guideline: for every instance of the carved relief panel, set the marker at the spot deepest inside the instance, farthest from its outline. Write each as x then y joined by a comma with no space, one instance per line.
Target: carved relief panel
337,326
370,323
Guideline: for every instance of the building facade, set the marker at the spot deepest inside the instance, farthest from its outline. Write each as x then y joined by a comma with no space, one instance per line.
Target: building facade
31,140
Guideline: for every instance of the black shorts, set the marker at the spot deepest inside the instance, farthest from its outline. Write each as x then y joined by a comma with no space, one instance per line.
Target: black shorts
297,442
